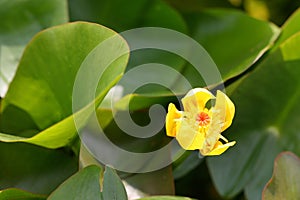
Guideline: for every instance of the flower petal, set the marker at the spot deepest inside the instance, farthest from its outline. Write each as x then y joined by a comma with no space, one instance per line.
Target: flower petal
171,123
219,148
196,99
217,122
189,137
230,110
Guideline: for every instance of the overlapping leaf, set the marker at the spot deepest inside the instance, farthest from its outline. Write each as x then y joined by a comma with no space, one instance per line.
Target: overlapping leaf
20,21
47,72
85,184
267,122
233,40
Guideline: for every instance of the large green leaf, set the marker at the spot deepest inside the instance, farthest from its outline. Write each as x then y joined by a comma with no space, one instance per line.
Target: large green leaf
83,185
47,72
266,122
140,13
33,168
16,194
233,39
216,30
20,21
285,182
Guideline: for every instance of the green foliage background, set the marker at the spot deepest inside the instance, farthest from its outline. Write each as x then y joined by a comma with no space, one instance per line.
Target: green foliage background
255,45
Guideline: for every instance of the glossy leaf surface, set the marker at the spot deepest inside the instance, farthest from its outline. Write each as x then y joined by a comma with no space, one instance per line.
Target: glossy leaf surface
266,122
49,74
83,185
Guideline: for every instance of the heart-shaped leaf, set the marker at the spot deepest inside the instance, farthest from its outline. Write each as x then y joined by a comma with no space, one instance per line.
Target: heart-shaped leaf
48,71
85,184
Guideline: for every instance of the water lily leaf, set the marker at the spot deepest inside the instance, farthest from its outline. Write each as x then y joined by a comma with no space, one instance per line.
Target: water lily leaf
219,29
285,182
17,194
215,30
83,185
20,21
49,74
142,13
266,122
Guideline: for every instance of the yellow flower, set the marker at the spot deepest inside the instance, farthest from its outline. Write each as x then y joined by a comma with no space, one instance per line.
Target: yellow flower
198,127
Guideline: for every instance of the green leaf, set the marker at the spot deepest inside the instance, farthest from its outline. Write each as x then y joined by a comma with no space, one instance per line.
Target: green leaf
140,13
48,71
216,30
113,187
33,168
17,194
289,28
233,39
266,122
20,21
285,182
83,185
165,198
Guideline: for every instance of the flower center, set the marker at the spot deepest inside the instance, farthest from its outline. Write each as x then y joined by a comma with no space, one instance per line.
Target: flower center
203,119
